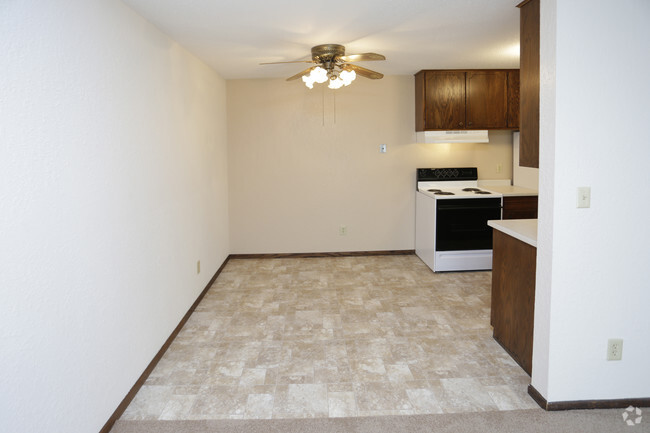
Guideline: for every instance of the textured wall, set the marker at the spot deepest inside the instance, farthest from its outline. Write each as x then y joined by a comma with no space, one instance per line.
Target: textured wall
522,176
591,280
113,183
304,162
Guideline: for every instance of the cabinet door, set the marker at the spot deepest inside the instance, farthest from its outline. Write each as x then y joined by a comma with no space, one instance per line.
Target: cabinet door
487,99
529,95
513,99
444,100
513,297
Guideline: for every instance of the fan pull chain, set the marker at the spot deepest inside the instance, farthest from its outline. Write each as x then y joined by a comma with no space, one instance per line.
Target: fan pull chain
323,100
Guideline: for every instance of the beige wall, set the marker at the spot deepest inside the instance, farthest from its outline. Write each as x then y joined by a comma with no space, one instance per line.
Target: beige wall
113,183
304,162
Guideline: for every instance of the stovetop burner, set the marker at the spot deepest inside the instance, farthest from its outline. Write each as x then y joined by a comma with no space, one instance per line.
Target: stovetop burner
476,191
452,183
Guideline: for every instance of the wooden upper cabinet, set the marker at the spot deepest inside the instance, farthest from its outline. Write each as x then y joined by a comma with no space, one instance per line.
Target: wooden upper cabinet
513,99
529,94
445,100
487,99
466,99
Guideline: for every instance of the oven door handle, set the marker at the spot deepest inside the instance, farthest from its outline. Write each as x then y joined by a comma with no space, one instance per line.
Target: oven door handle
440,208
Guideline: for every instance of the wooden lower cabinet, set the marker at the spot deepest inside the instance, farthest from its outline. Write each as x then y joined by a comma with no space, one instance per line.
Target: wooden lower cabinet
513,297
519,207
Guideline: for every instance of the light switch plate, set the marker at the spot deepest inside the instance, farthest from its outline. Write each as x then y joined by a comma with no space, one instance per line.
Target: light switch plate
584,197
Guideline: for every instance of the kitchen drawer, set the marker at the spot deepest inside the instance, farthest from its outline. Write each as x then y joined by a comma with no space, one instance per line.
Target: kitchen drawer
519,207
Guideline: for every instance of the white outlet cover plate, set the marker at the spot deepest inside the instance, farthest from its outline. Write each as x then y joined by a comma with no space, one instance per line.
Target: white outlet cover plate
614,349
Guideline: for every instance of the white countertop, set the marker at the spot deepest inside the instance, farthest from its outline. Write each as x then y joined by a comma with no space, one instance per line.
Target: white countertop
524,230
510,190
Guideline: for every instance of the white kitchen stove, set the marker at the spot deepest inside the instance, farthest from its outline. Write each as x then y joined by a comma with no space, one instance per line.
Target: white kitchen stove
451,219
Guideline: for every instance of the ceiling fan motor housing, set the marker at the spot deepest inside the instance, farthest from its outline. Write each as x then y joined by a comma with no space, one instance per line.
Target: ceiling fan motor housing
327,52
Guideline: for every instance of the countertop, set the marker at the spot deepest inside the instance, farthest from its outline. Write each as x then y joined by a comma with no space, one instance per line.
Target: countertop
511,190
524,230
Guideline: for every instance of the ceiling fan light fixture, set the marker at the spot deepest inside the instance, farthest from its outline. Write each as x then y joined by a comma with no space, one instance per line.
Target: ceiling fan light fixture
335,83
334,66
347,76
316,75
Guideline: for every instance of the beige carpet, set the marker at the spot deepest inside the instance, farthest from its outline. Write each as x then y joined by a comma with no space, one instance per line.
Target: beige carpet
516,421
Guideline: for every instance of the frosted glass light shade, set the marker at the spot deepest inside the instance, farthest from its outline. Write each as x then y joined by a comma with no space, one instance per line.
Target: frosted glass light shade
348,76
320,75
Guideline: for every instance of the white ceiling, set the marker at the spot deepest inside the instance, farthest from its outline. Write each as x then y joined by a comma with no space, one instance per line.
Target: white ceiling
234,36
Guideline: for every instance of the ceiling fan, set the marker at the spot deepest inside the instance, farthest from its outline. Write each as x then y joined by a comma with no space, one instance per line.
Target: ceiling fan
334,66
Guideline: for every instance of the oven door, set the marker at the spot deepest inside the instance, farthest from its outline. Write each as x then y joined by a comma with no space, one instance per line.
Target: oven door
461,224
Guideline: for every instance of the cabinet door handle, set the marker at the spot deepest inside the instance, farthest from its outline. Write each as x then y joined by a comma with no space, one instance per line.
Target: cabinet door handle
460,123
469,123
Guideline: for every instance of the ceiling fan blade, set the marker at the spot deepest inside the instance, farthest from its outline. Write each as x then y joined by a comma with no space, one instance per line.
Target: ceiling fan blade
362,57
300,74
295,61
363,71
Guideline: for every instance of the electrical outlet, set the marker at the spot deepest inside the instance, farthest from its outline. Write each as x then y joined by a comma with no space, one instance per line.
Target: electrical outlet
499,168
614,349
198,266
343,230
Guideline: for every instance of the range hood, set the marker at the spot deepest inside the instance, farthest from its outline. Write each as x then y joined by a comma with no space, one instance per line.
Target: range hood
478,136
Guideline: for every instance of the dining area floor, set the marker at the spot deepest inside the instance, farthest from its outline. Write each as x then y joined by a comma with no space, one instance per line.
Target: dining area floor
278,338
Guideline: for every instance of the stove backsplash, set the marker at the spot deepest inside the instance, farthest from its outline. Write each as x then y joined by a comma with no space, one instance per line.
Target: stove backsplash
493,159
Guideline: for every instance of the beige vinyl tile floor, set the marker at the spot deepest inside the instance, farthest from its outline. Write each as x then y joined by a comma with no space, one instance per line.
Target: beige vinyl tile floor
335,337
